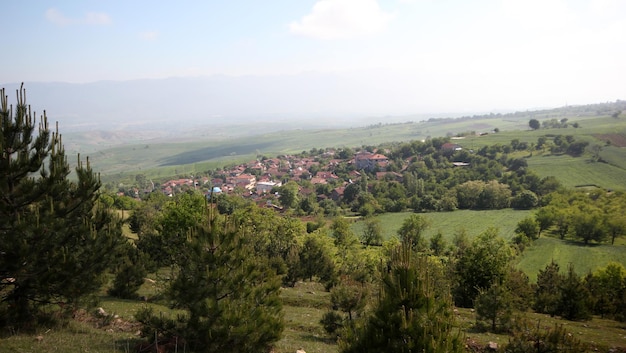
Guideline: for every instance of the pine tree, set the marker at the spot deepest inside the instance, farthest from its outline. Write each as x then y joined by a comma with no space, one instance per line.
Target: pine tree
229,294
494,308
575,300
411,315
56,239
548,292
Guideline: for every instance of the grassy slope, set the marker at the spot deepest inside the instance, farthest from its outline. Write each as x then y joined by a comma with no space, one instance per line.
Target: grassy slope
448,223
535,258
572,172
195,152
584,258
198,154
304,306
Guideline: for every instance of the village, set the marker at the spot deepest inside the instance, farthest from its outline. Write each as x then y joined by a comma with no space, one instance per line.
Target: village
256,179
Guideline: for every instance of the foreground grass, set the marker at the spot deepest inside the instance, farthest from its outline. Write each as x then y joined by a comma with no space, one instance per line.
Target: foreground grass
304,306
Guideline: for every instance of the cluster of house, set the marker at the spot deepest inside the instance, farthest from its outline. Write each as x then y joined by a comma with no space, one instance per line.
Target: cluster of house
256,179
259,177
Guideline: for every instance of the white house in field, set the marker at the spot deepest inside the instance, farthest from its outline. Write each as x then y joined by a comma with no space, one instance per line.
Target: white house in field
266,186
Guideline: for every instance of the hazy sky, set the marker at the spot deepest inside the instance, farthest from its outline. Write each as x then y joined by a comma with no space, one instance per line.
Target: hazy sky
476,54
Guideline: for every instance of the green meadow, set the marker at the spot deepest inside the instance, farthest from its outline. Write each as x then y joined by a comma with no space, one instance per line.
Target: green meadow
534,258
449,223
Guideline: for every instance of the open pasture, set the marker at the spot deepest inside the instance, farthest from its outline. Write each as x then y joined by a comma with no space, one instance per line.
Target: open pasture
449,223
578,171
585,259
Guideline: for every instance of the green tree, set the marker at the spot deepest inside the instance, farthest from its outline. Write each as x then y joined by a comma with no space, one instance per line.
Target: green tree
616,224
468,194
412,231
410,316
344,236
534,124
163,236
349,296
289,194
483,263
587,223
528,227
438,244
130,273
494,196
56,237
229,294
608,288
494,307
548,290
525,200
574,303
576,149
522,292
316,259
545,218
373,232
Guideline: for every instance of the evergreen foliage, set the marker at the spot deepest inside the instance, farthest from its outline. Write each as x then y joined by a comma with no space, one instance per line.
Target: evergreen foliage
410,316
575,303
548,292
494,308
130,273
230,294
56,238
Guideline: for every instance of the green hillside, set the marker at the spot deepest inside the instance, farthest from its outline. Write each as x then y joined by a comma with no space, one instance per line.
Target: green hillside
202,150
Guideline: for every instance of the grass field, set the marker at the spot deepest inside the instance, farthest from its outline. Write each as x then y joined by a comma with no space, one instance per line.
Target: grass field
583,258
573,172
303,307
533,259
448,223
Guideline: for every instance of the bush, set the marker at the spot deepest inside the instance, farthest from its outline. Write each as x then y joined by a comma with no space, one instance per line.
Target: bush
332,321
528,337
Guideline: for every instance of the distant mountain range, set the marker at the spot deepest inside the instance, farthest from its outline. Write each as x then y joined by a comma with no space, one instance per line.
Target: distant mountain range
175,105
219,100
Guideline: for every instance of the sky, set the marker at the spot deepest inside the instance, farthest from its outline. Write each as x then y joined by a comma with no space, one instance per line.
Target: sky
458,54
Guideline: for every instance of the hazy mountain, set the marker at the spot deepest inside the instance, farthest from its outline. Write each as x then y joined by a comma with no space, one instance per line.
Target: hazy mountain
181,103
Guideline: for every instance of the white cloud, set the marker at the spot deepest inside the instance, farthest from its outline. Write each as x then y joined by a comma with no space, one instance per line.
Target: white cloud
149,35
90,18
541,15
342,19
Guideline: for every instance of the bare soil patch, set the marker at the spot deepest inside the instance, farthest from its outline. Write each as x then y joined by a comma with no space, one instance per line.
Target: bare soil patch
618,140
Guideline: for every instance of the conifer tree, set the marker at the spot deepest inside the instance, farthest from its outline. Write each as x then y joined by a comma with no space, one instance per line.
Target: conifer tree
548,292
229,294
56,238
411,314
575,299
